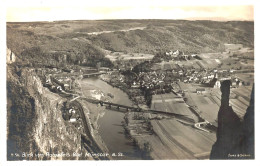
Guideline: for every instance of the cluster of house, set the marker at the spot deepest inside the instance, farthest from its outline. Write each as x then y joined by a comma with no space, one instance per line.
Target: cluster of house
155,80
212,77
74,118
67,83
152,81
59,83
198,77
235,82
48,83
59,79
180,55
216,83
113,76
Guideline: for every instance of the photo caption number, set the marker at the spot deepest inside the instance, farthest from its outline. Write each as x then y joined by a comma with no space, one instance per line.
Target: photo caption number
120,154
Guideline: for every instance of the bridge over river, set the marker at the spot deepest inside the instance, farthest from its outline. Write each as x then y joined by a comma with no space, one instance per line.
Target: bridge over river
124,108
93,74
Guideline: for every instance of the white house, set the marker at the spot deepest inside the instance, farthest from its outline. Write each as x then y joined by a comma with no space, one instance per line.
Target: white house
200,90
217,84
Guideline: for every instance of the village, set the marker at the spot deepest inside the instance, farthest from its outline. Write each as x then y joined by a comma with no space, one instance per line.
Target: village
171,83
175,74
141,86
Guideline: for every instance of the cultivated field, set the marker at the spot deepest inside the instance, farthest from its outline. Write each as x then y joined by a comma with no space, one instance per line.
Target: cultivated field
113,56
205,106
180,141
171,103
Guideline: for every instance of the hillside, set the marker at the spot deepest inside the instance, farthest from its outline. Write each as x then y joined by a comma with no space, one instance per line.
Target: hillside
68,42
188,36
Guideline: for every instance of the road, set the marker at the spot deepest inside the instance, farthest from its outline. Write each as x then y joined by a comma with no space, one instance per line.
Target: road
101,32
88,140
197,125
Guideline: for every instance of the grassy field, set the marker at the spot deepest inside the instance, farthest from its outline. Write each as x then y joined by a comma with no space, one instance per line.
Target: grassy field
233,47
113,56
247,77
171,65
190,64
173,140
208,104
171,103
182,142
209,63
241,101
206,107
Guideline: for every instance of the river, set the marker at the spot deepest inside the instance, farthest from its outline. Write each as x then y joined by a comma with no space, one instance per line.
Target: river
111,129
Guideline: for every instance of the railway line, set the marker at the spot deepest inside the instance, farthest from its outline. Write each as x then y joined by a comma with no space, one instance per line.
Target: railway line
88,140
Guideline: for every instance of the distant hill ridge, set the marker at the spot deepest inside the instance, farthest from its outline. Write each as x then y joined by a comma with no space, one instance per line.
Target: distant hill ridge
159,35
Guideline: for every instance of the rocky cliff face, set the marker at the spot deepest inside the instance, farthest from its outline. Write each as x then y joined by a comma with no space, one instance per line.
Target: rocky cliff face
235,139
35,120
10,56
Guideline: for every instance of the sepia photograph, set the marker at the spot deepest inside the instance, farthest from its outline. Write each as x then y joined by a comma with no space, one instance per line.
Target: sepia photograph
142,80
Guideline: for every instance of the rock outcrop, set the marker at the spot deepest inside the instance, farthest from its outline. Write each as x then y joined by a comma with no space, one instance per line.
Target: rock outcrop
10,56
35,121
235,139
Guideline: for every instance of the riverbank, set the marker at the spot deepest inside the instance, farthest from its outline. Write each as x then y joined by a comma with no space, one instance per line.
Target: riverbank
108,123
93,130
122,86
154,135
92,113
136,125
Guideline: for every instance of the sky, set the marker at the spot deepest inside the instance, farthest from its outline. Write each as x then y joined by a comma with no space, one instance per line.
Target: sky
51,10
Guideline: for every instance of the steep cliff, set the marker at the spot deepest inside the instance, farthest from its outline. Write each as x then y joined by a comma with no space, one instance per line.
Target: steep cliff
35,120
235,139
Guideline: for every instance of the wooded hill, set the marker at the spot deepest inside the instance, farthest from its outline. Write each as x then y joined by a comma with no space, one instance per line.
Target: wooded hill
68,42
